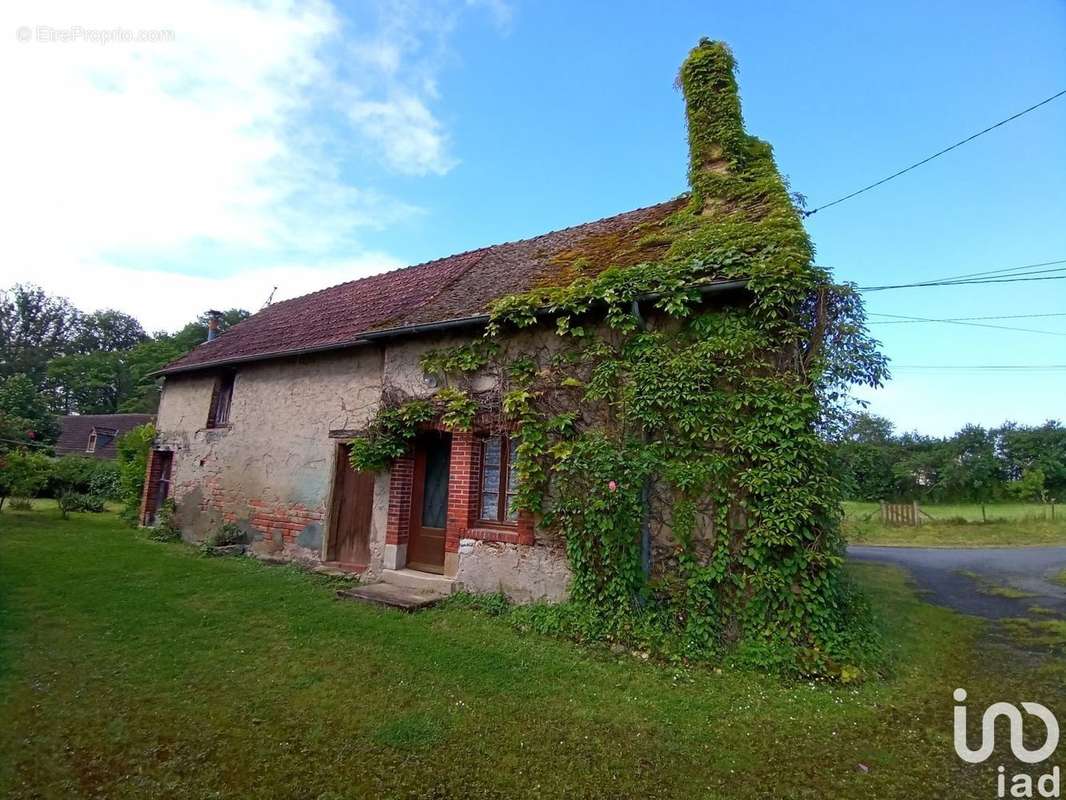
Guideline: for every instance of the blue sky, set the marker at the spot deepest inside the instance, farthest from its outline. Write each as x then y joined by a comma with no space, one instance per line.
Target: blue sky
302,145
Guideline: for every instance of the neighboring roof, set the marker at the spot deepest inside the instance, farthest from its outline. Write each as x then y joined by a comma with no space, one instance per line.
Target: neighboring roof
456,288
76,429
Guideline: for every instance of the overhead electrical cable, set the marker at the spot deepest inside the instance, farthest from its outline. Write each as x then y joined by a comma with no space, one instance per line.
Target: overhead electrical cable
939,153
900,318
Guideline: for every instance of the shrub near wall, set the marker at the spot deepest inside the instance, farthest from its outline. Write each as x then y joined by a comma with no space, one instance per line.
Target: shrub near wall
132,458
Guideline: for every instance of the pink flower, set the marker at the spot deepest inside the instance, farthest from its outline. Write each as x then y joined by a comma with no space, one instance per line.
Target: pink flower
612,486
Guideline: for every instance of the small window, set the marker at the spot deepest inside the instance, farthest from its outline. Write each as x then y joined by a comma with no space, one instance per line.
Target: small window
499,480
221,400
91,446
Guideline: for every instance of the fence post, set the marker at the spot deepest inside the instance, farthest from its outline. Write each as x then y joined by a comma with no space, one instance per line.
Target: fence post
917,519
883,521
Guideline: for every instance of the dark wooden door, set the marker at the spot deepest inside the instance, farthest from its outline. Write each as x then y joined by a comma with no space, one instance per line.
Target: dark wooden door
161,491
353,505
429,502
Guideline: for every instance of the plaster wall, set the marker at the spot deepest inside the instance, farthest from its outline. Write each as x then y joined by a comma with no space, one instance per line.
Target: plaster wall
270,469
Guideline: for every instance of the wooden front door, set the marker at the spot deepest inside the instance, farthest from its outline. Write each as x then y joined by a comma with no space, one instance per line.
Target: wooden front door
429,502
353,505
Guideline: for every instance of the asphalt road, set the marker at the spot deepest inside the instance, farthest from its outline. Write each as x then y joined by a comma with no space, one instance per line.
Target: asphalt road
938,572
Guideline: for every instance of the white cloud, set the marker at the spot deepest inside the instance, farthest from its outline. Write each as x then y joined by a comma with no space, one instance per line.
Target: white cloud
399,47
230,145
408,134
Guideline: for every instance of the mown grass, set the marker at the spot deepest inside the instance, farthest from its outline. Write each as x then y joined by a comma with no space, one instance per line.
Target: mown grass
960,525
131,668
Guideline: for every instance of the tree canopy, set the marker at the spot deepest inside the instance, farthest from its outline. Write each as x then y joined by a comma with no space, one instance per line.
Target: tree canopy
98,362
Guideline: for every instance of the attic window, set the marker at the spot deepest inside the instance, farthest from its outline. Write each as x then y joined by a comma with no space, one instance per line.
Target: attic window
221,400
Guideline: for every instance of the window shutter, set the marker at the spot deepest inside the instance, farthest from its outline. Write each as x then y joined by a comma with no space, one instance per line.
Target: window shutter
213,410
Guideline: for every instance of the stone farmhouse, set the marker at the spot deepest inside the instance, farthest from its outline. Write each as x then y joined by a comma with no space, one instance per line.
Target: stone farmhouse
254,425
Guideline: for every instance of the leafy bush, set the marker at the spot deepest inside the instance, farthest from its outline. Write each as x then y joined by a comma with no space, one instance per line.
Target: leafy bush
22,474
20,504
166,526
225,536
104,482
74,479
132,459
78,501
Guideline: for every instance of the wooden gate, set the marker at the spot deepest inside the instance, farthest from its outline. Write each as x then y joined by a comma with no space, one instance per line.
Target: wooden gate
901,514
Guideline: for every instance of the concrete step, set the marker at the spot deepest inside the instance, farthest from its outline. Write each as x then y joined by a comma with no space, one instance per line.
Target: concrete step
391,596
418,581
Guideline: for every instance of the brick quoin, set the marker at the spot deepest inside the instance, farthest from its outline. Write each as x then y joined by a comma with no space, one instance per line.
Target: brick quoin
462,488
401,482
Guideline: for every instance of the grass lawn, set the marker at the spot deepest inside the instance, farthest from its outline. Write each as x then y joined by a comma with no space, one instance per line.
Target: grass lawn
960,525
131,669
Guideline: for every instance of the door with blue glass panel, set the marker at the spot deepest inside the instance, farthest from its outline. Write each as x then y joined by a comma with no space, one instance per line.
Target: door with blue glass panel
429,502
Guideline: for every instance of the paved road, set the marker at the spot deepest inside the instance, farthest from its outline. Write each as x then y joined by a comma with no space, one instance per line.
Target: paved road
937,571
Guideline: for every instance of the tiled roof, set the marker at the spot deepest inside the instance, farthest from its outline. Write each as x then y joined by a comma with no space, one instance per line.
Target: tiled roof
454,288
74,432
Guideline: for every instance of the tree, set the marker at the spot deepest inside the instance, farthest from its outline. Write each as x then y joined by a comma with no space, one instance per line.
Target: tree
866,428
22,474
1041,447
35,327
24,412
1031,486
866,453
89,383
971,471
142,361
108,330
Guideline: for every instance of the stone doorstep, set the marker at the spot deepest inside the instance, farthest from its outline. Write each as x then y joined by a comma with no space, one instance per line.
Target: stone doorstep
420,581
337,569
391,596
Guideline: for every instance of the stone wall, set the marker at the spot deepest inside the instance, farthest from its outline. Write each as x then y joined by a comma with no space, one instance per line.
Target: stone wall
524,574
270,469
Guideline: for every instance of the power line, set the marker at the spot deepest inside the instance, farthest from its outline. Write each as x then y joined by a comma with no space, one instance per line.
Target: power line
1005,270
989,367
1023,271
968,324
926,160
922,284
905,320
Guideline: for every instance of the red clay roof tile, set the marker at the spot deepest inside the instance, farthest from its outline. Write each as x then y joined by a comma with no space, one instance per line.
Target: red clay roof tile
452,288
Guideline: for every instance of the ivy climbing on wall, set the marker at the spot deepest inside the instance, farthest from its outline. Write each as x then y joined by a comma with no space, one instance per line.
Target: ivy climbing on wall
674,441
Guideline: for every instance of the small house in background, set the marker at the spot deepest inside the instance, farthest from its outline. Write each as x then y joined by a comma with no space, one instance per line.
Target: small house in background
95,435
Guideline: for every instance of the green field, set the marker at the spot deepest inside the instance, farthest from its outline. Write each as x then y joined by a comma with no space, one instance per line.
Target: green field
960,525
130,669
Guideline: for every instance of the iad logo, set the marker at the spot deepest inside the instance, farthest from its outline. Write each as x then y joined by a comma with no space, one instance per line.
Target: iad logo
1022,784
